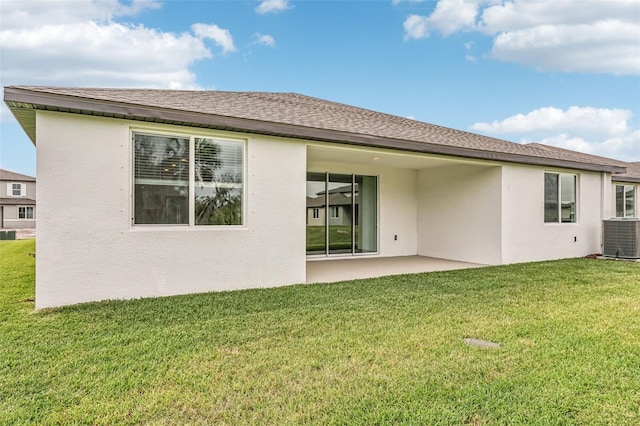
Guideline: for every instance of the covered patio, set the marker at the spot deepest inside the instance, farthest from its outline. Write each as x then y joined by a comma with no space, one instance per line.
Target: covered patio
334,270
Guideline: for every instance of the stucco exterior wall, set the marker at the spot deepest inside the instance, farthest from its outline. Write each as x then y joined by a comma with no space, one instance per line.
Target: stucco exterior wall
526,237
459,213
88,249
397,201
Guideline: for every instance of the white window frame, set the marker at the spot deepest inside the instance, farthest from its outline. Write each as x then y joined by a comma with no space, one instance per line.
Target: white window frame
335,212
192,136
316,213
624,200
21,186
26,210
559,201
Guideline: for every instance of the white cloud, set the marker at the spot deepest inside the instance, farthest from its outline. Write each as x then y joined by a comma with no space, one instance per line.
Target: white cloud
594,36
17,14
219,35
448,17
581,120
264,39
60,43
272,6
415,27
597,131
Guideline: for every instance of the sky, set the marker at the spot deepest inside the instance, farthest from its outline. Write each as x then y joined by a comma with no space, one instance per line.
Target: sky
560,72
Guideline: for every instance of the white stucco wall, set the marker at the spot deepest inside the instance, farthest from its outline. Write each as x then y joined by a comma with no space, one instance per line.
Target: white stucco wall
88,250
459,213
397,200
526,237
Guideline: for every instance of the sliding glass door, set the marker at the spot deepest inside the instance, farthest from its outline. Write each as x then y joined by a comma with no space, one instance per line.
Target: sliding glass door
341,214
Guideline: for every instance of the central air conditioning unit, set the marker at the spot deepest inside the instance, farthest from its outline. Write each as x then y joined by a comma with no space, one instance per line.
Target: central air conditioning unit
622,238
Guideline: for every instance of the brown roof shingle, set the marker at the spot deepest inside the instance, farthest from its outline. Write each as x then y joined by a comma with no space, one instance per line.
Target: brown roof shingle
632,174
286,114
13,176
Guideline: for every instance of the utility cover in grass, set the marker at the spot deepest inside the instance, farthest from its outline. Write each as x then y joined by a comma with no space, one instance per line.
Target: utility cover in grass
482,343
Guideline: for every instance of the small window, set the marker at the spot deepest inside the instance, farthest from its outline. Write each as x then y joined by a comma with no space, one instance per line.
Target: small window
625,200
187,180
560,204
335,212
16,190
25,212
316,213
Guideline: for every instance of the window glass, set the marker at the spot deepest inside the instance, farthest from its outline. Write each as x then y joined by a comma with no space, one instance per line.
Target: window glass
568,198
550,197
161,175
625,200
619,201
168,168
218,182
560,198
16,189
630,200
25,212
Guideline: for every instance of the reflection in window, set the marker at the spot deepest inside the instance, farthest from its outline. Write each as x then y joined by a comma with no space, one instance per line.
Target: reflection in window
161,173
164,172
218,182
560,203
625,200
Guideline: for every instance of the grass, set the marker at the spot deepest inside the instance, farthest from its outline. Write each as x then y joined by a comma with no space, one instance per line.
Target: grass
376,351
339,237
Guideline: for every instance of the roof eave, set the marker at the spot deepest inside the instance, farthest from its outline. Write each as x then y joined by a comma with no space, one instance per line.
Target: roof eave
19,99
630,179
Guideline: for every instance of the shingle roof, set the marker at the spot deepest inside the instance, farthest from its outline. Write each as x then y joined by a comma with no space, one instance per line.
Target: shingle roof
17,201
633,169
285,114
13,176
632,174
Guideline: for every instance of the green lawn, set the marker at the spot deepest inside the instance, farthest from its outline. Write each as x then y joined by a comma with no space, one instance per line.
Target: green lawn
339,237
377,351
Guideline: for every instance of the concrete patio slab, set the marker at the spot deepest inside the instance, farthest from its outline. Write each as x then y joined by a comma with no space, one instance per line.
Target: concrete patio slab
333,270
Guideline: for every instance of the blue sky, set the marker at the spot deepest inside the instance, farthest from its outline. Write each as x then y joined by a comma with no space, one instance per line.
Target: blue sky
562,72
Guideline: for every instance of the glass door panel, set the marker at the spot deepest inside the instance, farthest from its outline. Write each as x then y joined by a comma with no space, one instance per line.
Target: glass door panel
340,196
342,214
366,214
316,206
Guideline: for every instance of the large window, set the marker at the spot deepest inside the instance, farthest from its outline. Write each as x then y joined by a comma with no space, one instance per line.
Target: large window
181,180
625,200
350,227
25,212
560,198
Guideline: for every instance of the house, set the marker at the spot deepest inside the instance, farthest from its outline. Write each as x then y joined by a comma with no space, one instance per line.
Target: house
17,200
624,189
195,191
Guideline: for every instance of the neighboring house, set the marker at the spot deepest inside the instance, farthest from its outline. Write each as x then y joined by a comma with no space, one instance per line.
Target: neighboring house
625,200
17,200
194,191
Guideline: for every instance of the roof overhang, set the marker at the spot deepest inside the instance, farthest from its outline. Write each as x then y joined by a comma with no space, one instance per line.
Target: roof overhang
24,103
629,179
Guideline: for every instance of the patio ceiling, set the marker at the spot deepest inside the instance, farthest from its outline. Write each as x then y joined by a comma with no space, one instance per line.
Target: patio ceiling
382,157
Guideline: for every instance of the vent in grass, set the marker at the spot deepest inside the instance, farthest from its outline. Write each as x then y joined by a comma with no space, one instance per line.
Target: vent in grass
485,344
